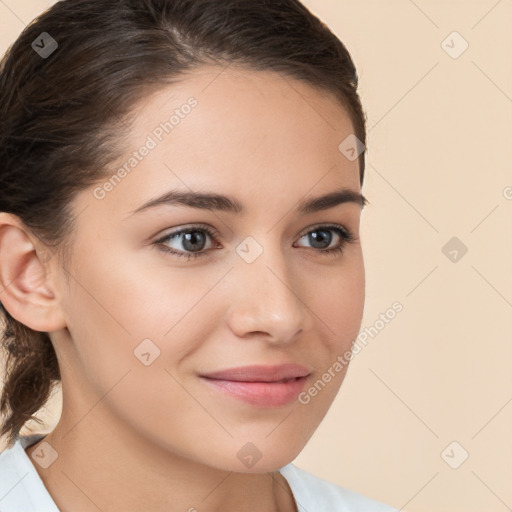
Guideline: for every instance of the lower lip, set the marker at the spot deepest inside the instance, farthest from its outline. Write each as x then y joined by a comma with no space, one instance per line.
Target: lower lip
265,394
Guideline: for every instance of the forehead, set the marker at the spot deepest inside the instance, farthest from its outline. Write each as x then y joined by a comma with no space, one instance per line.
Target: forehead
249,134
236,101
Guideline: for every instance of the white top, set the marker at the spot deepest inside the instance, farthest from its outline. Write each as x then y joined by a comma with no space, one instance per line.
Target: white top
22,490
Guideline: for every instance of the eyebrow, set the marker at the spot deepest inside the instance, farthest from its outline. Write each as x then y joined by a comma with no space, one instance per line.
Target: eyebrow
218,202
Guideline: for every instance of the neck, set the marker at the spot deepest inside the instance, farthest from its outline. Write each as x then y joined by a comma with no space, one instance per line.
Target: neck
115,472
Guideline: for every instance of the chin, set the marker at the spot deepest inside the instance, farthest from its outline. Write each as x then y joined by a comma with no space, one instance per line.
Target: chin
254,457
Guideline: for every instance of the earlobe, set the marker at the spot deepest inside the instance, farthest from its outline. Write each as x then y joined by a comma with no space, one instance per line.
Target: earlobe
25,289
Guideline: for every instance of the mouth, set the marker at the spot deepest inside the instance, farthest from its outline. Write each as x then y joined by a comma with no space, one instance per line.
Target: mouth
267,394
260,373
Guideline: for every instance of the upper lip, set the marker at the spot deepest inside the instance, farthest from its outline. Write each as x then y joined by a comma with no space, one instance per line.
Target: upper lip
260,373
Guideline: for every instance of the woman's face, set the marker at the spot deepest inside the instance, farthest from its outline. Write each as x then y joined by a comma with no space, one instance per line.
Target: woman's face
145,324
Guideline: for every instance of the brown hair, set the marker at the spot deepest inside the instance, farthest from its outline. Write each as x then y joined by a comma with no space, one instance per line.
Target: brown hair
62,116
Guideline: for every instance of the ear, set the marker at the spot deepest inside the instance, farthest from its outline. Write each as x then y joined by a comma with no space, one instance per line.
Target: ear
25,289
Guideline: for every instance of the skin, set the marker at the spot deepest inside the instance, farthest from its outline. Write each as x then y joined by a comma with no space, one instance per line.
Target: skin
133,437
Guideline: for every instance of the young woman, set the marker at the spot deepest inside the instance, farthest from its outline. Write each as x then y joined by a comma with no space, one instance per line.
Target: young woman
180,198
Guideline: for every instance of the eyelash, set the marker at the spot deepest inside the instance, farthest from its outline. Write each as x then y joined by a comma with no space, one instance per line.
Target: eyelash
346,236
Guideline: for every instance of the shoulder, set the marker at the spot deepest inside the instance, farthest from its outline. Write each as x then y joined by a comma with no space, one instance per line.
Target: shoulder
21,488
313,493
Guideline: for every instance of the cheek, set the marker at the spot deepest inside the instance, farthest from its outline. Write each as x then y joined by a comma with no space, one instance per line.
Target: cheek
123,309
339,311
338,302
122,355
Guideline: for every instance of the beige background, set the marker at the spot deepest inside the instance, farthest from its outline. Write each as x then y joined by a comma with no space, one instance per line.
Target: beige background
439,153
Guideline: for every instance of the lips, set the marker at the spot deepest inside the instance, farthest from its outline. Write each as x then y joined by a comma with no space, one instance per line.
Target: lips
260,385
260,373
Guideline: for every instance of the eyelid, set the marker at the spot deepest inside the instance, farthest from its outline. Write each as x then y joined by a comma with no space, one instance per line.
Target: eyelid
329,225
188,227
216,234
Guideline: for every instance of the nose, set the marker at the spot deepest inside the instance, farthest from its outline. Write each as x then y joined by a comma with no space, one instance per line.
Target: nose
266,299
